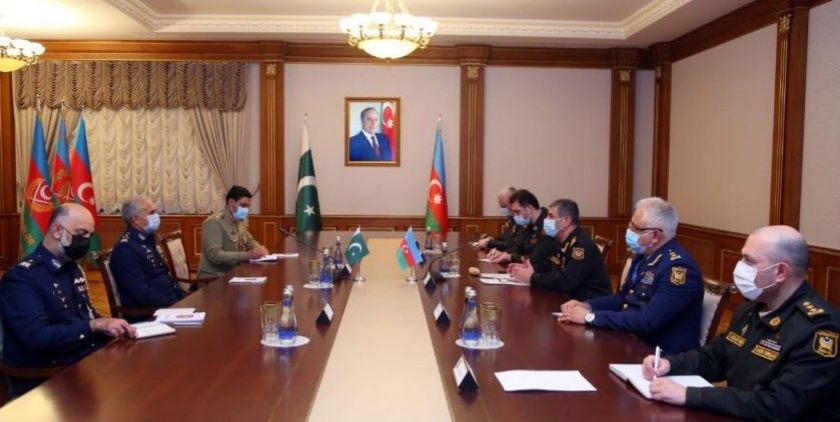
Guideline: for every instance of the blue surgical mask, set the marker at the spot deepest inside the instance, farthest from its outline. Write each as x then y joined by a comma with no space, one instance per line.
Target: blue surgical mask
550,227
241,213
520,220
505,212
631,238
152,223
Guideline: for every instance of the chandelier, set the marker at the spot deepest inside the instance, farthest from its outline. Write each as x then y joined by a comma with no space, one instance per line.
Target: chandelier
17,53
386,34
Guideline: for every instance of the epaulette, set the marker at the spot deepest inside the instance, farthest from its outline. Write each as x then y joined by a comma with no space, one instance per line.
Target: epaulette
674,255
124,238
810,310
29,263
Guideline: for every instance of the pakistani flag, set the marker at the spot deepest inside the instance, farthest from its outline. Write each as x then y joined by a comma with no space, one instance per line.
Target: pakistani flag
307,210
357,249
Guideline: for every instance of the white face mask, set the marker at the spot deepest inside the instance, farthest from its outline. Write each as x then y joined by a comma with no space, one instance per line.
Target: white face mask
744,275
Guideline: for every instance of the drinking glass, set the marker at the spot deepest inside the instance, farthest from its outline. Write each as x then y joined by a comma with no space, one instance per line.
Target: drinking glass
270,319
491,316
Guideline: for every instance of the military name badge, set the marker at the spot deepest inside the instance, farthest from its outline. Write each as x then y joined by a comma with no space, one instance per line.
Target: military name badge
556,260
577,253
825,343
678,275
735,339
765,353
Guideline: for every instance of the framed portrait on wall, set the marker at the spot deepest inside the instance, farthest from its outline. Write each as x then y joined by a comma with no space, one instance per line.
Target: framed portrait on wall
372,131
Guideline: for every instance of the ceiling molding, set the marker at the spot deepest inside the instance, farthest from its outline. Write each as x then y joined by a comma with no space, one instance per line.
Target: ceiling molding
287,24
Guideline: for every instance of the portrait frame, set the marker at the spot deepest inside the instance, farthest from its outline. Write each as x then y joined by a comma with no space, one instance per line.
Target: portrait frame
358,149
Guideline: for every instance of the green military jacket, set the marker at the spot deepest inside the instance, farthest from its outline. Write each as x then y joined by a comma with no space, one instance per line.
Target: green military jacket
224,244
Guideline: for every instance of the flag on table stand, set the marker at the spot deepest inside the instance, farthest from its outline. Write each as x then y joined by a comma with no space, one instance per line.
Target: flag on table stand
60,172
81,180
38,203
389,127
307,209
436,210
356,249
408,255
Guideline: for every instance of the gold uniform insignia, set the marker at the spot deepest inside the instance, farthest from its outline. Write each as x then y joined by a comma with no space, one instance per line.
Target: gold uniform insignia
555,260
825,343
678,275
577,253
735,339
775,321
765,353
674,256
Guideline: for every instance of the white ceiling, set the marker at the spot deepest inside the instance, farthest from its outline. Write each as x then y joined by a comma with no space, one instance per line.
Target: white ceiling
557,23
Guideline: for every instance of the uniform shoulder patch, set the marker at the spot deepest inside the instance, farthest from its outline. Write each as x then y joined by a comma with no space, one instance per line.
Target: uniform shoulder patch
674,255
825,343
578,253
810,309
678,275
28,263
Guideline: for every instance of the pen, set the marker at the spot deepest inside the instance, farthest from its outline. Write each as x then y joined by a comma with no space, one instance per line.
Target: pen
656,361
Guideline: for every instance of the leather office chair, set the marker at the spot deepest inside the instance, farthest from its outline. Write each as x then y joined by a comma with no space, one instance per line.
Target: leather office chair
103,260
176,258
716,295
604,245
7,372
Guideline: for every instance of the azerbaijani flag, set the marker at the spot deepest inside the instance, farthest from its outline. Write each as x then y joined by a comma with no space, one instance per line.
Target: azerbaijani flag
436,210
60,174
357,249
81,181
307,208
38,203
408,255
389,126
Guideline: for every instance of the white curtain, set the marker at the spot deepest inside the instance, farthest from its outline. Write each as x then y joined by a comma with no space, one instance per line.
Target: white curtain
135,152
223,141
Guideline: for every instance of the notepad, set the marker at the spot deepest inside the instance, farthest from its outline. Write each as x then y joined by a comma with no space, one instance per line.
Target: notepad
521,380
174,311
275,257
248,280
152,329
632,373
191,319
502,276
503,282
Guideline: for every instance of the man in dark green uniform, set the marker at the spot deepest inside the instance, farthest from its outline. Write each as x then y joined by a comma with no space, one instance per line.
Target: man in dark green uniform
509,228
225,239
575,263
779,357
528,216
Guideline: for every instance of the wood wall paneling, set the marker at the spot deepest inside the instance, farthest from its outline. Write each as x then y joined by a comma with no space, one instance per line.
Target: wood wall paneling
622,132
471,165
661,119
272,185
8,188
164,50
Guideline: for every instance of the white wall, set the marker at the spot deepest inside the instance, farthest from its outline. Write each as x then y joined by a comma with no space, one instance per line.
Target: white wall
643,148
721,133
547,130
820,206
424,91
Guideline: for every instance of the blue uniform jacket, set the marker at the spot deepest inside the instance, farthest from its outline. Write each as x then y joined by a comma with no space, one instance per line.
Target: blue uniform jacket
661,302
142,276
46,312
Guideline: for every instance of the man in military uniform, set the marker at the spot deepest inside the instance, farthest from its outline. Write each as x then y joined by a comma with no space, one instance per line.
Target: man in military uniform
142,277
575,263
528,216
779,357
509,228
662,300
46,312
225,240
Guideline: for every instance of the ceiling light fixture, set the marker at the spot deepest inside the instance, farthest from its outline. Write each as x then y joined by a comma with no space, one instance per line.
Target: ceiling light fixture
17,53
385,34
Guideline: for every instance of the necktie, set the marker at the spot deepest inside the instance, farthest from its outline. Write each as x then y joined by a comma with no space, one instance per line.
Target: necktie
375,145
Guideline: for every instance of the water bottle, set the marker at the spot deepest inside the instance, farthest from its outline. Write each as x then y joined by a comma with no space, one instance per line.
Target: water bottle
444,264
427,245
326,272
471,327
338,258
287,328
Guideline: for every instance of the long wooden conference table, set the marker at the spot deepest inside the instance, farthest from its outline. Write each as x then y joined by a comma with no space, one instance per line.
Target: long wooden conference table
383,357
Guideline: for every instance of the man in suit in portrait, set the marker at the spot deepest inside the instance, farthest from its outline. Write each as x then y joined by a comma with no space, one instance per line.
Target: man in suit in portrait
369,145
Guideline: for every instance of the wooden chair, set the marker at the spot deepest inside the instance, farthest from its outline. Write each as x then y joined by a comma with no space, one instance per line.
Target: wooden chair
103,260
8,372
604,245
176,258
716,295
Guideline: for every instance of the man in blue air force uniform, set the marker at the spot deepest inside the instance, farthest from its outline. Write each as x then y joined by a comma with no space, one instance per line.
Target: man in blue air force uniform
662,300
47,317
141,274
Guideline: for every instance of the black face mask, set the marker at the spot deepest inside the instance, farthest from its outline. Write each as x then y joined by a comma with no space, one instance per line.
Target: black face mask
78,247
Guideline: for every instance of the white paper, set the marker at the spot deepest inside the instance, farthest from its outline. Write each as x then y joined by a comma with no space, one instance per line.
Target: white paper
174,311
152,329
501,276
557,314
484,260
248,280
275,256
632,373
196,318
521,380
498,281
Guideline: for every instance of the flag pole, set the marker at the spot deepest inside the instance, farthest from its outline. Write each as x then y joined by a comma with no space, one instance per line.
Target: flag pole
359,278
412,278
